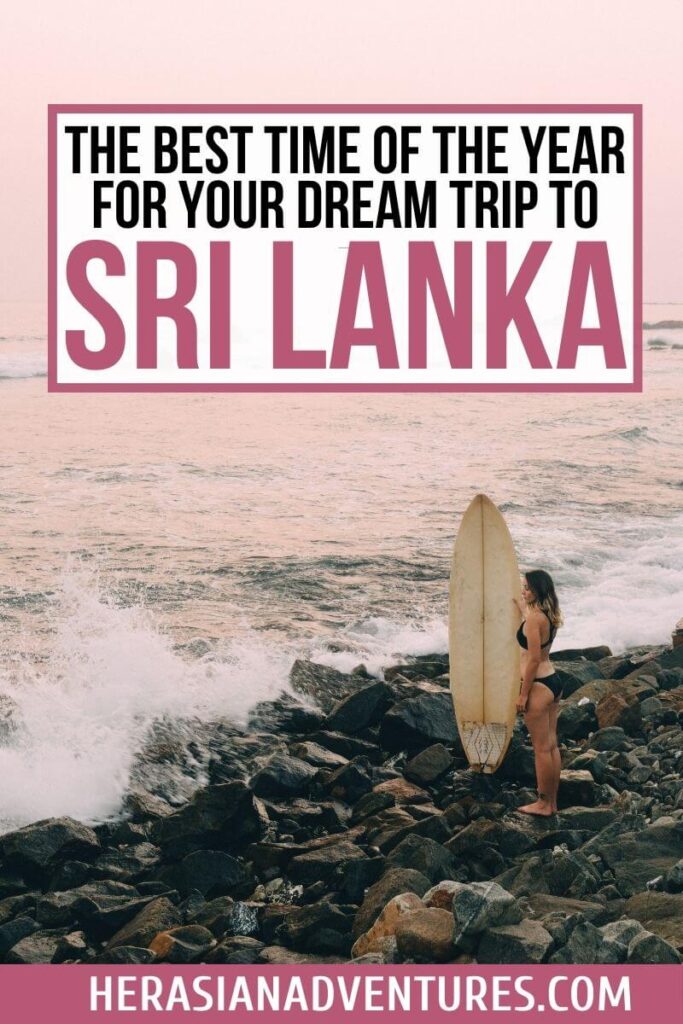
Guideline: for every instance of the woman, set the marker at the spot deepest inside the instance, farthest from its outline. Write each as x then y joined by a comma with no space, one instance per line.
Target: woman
541,690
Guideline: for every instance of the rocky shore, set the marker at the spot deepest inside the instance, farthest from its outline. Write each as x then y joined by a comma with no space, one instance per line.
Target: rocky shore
343,823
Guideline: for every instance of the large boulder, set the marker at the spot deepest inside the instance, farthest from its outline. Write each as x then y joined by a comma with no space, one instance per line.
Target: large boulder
478,906
157,916
320,927
426,935
651,949
422,666
581,654
322,684
392,883
638,857
660,913
37,848
429,764
210,872
361,709
225,816
525,943
183,945
283,775
424,855
14,931
574,674
419,722
322,863
102,906
374,940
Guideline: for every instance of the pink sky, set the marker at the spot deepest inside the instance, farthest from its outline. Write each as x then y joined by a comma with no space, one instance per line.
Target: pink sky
240,51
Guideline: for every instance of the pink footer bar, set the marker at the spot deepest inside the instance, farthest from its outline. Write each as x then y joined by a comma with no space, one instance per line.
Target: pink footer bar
76,993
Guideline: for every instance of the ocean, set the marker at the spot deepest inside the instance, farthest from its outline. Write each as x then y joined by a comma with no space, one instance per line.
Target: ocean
170,555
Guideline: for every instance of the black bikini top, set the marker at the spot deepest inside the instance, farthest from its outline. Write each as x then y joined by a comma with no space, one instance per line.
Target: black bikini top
522,640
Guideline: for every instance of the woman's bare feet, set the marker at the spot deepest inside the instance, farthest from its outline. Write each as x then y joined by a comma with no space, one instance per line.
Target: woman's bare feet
539,808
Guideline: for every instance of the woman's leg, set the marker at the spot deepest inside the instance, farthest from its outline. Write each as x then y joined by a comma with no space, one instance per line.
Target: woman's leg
555,750
537,719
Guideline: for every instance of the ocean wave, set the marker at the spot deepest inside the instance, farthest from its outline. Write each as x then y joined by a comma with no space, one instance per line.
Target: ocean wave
82,715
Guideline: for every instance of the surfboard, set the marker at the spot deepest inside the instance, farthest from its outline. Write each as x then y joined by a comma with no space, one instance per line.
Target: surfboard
483,620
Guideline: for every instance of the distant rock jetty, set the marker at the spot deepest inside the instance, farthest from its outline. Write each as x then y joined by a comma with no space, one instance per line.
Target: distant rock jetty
344,823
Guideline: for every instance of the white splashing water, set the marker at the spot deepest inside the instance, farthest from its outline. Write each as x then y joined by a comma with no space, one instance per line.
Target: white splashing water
82,716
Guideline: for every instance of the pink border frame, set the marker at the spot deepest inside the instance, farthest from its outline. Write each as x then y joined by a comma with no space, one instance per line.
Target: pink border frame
304,108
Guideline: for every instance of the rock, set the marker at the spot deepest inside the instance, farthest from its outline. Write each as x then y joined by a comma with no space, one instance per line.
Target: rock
319,928
673,880
616,710
427,666
392,883
525,943
72,946
183,945
286,714
38,847
142,806
581,654
361,709
210,872
124,955
158,916
510,837
588,819
350,782
424,855
636,857
574,674
616,666
478,906
576,721
402,792
39,948
103,906
646,948
425,935
126,865
318,755
324,862
518,765
242,919
611,738
577,788
14,931
660,913
441,895
543,904
419,722
588,945
326,686
372,803
374,940
224,816
14,905
237,949
283,775
348,746
429,764
622,931
279,956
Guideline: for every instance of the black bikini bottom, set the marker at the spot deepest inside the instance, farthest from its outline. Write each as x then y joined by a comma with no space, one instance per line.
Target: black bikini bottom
553,683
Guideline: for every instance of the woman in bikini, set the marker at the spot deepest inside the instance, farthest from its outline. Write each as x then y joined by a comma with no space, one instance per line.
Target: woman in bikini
541,690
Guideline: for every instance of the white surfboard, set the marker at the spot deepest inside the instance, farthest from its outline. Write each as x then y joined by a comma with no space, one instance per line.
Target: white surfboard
483,620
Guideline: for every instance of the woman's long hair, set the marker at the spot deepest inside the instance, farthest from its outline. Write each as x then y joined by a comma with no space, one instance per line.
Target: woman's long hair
541,585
